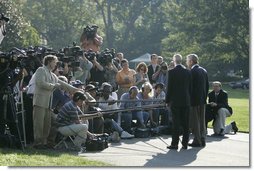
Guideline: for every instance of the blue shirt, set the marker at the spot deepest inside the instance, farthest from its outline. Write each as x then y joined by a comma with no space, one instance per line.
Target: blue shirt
124,105
68,114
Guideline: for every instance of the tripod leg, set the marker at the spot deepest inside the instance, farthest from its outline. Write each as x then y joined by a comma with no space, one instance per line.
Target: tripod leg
14,115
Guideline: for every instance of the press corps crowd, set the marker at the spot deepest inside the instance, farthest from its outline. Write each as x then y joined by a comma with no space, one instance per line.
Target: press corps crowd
69,101
57,105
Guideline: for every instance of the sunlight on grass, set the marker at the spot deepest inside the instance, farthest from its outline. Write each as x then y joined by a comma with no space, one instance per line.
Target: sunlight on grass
11,157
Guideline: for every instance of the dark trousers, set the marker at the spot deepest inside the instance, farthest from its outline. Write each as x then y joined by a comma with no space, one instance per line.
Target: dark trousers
96,125
180,118
9,117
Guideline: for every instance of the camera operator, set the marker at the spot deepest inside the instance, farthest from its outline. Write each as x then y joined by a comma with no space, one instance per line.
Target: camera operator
90,39
85,66
9,77
45,83
160,76
97,72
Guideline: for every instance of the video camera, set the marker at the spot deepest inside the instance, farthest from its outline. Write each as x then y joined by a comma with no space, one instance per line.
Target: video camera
90,31
90,55
106,56
70,55
12,59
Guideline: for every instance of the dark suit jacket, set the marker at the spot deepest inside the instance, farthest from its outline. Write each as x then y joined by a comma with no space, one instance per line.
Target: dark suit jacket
179,87
150,73
200,86
222,101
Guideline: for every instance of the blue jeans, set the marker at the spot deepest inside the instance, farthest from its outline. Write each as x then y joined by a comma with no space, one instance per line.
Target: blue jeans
164,120
127,117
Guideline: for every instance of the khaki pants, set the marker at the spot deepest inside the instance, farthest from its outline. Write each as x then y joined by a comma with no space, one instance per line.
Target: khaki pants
78,130
41,124
198,127
219,122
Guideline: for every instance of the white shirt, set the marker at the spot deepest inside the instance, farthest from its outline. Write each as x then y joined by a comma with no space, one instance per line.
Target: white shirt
106,106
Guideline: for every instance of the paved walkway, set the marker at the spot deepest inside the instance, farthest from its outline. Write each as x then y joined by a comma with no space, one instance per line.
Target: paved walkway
232,150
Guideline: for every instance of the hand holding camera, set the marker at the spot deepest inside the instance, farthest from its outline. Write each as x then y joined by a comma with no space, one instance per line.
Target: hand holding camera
127,80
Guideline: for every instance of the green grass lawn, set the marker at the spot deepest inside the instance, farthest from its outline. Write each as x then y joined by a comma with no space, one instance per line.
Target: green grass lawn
239,101
32,157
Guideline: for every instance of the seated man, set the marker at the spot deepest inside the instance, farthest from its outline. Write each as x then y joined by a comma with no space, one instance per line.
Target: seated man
111,118
69,119
218,109
128,116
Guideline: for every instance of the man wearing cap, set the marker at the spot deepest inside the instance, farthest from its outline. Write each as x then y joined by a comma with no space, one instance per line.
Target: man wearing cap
111,119
69,119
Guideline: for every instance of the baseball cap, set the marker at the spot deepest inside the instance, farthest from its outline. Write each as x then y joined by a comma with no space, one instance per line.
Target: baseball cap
79,95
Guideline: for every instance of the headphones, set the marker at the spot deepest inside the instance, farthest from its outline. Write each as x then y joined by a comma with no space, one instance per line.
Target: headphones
161,85
132,88
79,95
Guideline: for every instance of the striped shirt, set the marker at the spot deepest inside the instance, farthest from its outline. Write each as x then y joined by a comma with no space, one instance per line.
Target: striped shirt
68,114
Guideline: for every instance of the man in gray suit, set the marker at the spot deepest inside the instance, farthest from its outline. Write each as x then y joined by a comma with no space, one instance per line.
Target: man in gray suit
200,87
45,83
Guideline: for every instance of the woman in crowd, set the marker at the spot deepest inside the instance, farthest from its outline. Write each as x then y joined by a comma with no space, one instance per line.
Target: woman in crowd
141,76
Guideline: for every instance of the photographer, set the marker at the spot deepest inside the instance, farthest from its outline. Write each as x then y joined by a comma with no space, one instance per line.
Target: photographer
97,72
69,119
85,66
90,39
110,74
160,76
9,77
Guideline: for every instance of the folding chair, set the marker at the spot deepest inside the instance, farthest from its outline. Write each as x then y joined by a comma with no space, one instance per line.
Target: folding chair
65,141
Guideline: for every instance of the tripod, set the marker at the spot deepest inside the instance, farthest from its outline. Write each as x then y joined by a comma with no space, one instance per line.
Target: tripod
9,97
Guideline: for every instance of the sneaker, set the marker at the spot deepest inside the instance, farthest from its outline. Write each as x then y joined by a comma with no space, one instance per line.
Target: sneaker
126,135
82,150
114,137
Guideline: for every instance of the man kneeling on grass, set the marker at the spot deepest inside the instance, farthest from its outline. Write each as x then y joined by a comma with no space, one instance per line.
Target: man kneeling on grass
218,109
70,122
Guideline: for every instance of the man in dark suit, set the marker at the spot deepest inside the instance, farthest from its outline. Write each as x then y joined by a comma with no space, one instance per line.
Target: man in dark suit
198,100
152,68
218,109
178,98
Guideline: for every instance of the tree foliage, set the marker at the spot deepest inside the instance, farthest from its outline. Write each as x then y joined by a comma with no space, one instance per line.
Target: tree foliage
20,32
216,30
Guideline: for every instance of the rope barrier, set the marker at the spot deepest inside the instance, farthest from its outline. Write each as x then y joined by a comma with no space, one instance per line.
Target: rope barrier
104,112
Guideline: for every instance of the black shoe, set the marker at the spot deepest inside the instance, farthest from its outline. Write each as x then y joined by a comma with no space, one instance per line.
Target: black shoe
172,147
221,132
203,143
195,145
185,147
234,127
